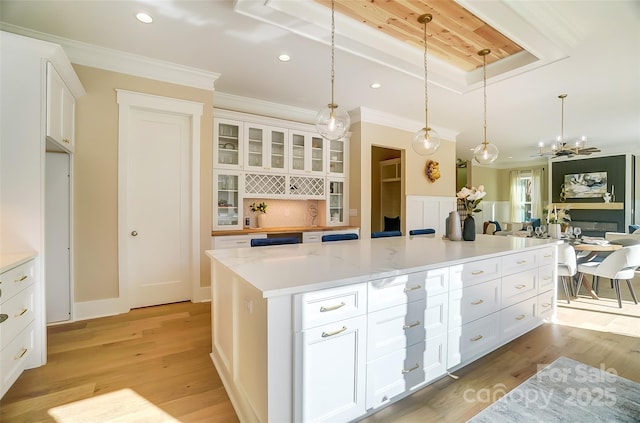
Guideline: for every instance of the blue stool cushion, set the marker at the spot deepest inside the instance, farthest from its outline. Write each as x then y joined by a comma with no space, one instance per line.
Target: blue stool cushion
422,231
338,237
385,234
263,242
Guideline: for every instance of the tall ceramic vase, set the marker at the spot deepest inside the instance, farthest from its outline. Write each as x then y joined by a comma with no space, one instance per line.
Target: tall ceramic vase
469,230
555,231
260,220
453,231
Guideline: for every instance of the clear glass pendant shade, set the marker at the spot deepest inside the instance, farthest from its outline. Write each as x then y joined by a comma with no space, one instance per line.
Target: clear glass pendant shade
332,123
425,142
485,153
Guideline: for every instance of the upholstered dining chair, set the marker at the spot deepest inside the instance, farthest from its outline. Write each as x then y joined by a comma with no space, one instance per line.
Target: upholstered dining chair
385,234
263,242
339,237
567,268
426,231
620,264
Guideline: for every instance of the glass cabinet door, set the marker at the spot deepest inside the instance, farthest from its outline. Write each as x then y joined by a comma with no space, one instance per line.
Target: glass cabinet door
278,149
336,157
336,201
228,143
228,209
255,146
297,152
317,154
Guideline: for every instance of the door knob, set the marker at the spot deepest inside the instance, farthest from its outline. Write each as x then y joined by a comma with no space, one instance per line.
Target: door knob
134,233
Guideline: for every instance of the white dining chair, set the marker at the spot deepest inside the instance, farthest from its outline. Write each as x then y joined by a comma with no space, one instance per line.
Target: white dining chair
567,268
620,264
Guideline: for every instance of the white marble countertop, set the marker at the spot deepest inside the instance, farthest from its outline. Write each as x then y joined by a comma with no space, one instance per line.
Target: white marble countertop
290,269
11,260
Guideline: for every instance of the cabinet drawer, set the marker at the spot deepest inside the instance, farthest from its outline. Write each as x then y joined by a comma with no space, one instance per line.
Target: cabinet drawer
395,328
234,241
311,237
394,374
330,305
474,272
545,278
545,305
518,319
474,302
514,263
396,290
473,340
13,357
16,279
19,308
547,256
519,286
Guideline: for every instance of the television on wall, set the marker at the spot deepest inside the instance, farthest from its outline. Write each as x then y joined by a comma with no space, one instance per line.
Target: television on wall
585,185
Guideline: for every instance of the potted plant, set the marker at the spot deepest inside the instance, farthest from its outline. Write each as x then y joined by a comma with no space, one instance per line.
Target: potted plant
471,197
555,218
261,209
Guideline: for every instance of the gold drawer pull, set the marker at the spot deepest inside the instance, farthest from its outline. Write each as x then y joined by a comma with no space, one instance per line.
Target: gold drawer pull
546,278
548,255
20,354
335,332
521,261
546,304
411,325
24,310
331,308
520,286
477,272
477,302
476,338
522,316
412,288
405,371
21,278
66,140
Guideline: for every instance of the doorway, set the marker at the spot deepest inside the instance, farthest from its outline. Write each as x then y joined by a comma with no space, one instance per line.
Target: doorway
158,238
386,186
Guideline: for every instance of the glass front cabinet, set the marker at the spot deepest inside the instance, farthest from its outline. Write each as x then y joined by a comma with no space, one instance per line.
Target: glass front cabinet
228,143
227,200
266,148
337,202
307,153
337,157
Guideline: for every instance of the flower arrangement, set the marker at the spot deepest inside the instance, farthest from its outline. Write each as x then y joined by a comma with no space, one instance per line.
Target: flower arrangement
261,207
557,216
471,198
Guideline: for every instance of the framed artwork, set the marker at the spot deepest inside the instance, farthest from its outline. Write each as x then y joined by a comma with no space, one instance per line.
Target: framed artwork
585,185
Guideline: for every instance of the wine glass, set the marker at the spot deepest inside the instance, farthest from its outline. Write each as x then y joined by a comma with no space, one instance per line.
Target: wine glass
577,231
538,231
543,230
569,232
529,230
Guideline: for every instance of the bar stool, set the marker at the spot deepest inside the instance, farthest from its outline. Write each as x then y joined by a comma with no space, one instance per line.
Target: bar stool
567,268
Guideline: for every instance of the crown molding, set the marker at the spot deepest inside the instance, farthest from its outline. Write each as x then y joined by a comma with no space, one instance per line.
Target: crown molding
117,61
264,108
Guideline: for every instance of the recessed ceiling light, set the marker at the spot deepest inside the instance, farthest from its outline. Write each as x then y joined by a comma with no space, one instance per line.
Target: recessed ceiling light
284,58
375,85
144,17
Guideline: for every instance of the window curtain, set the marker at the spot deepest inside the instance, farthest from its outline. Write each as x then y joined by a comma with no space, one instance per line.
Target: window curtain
516,206
536,194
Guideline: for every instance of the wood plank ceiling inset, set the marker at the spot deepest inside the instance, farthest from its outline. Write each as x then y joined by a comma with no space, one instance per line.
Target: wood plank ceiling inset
455,35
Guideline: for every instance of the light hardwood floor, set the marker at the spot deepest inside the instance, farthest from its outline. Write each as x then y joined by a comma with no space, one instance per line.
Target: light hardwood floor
153,365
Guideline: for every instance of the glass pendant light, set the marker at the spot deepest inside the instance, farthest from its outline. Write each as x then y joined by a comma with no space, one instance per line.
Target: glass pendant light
426,141
485,152
331,123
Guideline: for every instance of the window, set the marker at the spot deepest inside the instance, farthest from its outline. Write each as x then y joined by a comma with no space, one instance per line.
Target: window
526,194
525,186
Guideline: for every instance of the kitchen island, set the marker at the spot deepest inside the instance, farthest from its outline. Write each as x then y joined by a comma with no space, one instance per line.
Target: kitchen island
336,331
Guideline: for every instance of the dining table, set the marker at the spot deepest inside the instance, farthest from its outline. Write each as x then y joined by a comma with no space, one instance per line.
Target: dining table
592,249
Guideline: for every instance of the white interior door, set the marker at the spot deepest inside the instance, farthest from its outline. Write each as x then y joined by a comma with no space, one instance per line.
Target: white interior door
58,237
157,208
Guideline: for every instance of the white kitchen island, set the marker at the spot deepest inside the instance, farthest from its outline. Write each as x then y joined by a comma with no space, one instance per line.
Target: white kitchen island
336,331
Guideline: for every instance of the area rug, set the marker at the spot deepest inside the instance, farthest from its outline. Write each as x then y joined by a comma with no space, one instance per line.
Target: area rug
568,391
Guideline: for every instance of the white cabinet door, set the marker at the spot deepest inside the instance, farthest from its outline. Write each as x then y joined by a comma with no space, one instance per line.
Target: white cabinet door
307,153
337,157
337,206
331,380
227,200
60,110
265,148
227,143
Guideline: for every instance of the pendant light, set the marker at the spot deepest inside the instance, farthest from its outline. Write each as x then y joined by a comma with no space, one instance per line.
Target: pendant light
331,123
485,152
426,141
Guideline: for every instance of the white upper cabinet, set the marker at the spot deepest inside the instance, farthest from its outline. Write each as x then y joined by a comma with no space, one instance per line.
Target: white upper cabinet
307,153
337,157
228,143
60,110
266,148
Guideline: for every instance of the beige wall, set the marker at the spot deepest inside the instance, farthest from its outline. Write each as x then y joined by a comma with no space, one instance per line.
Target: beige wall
364,136
95,188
